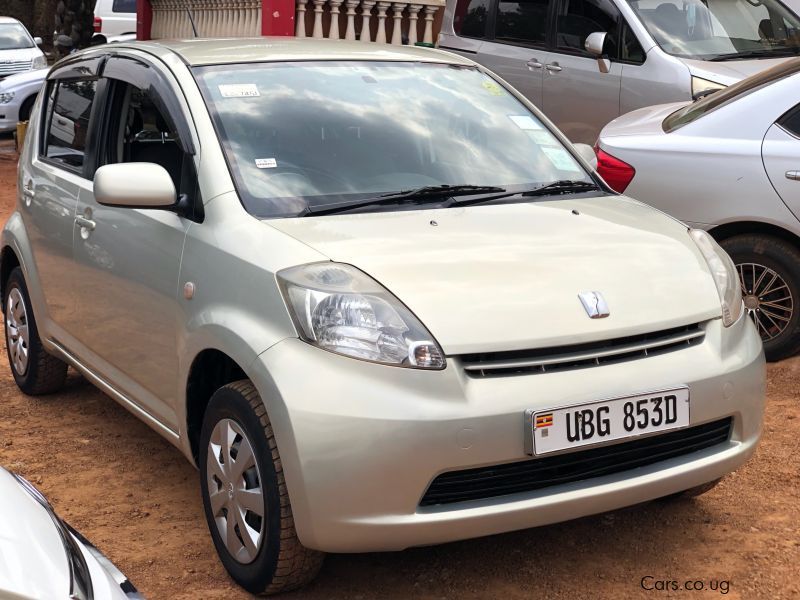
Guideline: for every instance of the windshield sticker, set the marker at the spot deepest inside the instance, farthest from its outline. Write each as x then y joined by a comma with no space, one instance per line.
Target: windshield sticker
266,163
560,158
239,90
492,88
541,137
525,122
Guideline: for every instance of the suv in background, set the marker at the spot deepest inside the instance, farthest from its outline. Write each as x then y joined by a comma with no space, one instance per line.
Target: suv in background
19,52
585,62
113,18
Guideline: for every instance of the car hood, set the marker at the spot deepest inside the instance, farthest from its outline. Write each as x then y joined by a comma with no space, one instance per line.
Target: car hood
33,563
23,79
507,276
728,72
19,54
643,121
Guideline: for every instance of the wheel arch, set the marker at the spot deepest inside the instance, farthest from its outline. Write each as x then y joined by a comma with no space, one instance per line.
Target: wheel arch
8,262
729,230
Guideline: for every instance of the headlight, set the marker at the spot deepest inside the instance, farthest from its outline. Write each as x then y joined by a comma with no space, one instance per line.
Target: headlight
341,309
724,273
701,87
6,97
40,62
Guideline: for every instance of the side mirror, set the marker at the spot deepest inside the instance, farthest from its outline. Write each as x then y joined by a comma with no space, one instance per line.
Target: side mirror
586,152
134,185
594,45
38,41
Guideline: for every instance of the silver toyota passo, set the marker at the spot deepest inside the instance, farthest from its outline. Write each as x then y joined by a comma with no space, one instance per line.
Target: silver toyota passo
372,293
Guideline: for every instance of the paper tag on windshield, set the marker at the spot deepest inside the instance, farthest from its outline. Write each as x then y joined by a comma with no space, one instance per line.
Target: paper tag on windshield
560,158
525,122
239,90
266,163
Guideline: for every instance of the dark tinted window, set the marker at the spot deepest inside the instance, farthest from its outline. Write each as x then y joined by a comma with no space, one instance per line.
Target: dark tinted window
69,122
791,121
470,18
124,6
578,18
631,48
524,21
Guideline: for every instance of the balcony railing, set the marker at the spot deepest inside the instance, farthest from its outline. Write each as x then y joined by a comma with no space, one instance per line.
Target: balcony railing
213,18
368,20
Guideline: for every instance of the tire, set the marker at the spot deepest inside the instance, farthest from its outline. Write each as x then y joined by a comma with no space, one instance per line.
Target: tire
276,561
35,371
779,323
26,108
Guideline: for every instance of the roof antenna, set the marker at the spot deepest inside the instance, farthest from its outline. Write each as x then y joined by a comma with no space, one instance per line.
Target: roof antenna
191,20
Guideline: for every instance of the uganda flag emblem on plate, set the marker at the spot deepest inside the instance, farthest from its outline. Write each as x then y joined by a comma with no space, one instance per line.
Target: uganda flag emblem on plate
544,420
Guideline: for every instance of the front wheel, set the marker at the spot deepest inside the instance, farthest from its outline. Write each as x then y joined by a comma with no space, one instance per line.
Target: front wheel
769,270
245,498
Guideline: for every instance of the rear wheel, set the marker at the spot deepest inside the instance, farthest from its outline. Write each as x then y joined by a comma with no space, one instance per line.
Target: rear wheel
245,498
35,371
769,270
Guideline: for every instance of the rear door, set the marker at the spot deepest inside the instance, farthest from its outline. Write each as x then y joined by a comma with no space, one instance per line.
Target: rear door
50,184
781,154
577,96
517,50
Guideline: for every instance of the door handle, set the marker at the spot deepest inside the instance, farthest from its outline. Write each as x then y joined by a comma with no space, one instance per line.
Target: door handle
534,64
793,175
553,67
27,189
85,223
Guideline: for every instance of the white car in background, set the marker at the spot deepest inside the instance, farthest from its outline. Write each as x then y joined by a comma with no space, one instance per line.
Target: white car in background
17,95
728,163
43,557
114,18
19,51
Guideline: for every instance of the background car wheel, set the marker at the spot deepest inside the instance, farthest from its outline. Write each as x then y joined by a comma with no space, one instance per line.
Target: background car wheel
769,269
35,371
245,498
26,108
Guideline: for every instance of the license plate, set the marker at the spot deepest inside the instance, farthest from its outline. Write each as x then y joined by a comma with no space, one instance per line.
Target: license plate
608,420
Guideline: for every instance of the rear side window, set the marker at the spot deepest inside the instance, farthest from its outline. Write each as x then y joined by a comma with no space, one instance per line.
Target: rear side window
791,121
470,18
69,122
124,6
522,22
578,18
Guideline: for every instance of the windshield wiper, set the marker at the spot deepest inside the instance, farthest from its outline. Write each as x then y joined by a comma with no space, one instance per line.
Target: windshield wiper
430,193
774,53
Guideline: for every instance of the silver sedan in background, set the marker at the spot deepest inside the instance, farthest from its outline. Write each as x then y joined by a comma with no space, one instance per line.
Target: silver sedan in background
728,163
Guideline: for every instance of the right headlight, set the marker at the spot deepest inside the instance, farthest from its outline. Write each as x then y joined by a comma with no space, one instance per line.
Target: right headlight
6,97
702,87
341,309
724,273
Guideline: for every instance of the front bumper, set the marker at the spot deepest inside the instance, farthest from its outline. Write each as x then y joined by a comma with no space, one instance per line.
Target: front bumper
360,442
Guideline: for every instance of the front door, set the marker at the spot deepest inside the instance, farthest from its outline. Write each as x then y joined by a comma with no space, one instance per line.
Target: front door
127,261
577,96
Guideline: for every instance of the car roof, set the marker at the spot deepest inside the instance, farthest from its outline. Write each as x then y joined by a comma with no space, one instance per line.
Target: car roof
197,52
5,20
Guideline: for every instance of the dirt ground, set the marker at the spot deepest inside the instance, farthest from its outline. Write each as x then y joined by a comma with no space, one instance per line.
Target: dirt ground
138,500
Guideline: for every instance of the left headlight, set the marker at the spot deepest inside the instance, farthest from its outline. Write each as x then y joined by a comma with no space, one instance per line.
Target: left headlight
6,97
341,309
40,62
724,273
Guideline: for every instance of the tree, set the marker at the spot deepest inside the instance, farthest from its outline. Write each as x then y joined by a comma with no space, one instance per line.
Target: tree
74,19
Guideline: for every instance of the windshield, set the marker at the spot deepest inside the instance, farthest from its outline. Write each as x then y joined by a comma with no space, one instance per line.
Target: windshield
13,36
710,29
709,103
300,135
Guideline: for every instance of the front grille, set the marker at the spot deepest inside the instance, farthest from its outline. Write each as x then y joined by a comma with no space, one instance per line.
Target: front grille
578,356
535,474
14,66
